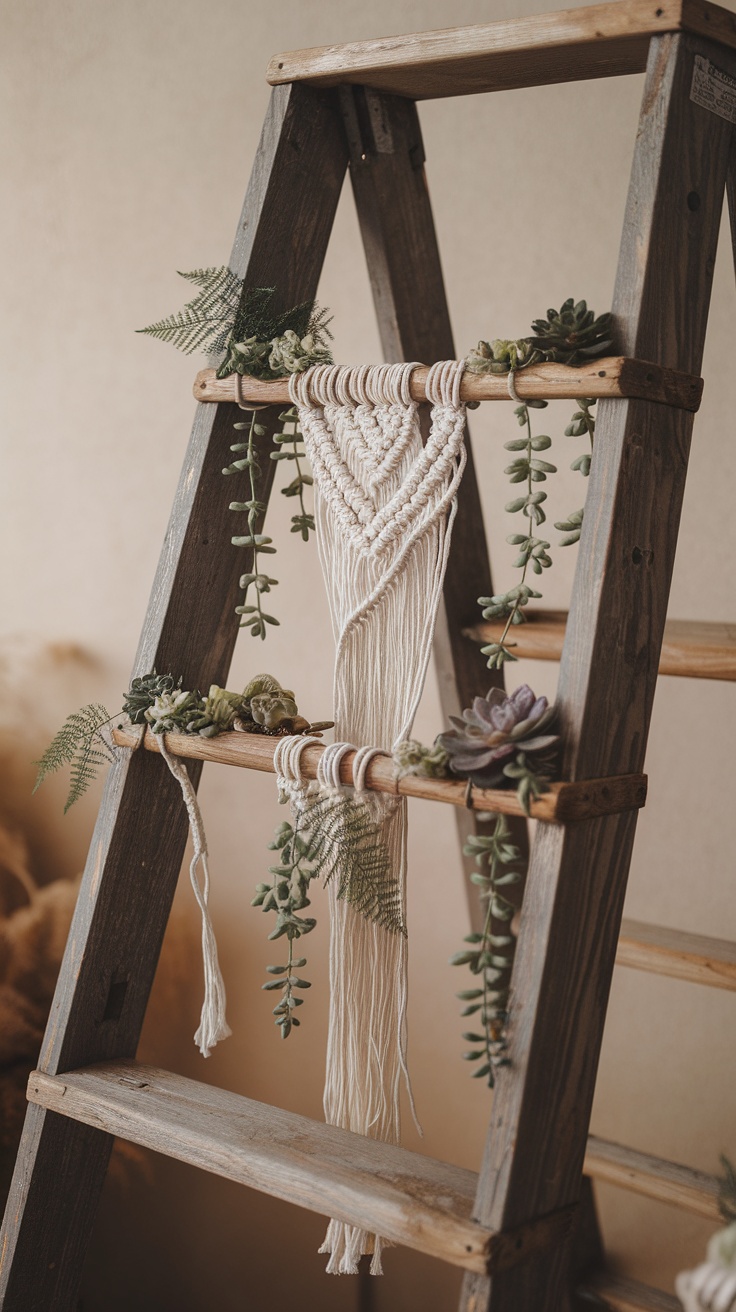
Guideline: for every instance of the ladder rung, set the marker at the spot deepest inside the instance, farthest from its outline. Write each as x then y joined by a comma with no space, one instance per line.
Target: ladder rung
654,1177
690,649
401,1195
598,41
561,804
615,376
622,1295
693,957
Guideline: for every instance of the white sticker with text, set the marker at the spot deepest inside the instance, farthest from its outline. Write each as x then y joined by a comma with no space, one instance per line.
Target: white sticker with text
713,89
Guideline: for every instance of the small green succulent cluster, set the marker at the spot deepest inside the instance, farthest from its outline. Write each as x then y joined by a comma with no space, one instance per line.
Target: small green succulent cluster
569,335
288,354
490,954
412,757
159,701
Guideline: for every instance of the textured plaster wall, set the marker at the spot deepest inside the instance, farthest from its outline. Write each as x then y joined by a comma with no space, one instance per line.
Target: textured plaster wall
127,135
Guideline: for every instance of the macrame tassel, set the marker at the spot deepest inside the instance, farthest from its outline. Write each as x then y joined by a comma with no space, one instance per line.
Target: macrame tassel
212,1026
384,508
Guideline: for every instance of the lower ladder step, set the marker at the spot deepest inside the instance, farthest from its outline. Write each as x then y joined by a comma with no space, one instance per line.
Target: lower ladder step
405,1197
654,1177
622,1295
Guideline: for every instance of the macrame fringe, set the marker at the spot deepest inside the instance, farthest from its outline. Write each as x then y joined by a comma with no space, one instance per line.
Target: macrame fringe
384,509
212,1026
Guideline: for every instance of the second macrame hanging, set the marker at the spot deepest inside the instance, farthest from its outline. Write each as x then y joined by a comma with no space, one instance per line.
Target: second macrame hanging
384,508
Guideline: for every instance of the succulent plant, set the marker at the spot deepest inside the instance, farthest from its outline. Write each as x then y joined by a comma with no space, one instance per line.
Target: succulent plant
412,757
572,333
500,356
215,712
172,711
271,709
566,336
494,730
143,693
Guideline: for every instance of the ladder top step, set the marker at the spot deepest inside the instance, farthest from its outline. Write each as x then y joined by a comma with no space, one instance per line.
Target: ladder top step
402,1195
614,375
569,46
563,803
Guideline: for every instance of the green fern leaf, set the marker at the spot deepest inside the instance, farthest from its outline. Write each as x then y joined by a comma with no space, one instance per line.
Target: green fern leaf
345,843
204,323
80,744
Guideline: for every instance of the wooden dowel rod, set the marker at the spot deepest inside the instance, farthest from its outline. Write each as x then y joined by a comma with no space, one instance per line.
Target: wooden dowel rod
612,376
564,801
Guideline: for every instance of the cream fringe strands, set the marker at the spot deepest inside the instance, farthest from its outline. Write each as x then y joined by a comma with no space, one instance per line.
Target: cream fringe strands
384,509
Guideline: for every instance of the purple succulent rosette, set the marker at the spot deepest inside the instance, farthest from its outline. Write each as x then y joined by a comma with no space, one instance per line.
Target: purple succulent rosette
494,730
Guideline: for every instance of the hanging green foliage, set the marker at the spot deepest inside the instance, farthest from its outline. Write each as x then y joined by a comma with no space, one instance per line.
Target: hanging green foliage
78,743
490,954
568,336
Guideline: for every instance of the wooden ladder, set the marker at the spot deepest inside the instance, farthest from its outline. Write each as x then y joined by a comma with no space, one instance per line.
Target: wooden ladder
510,1226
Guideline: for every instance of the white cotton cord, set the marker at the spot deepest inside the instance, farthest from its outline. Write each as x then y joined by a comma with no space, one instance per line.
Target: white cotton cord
212,1026
511,384
241,404
711,1287
384,510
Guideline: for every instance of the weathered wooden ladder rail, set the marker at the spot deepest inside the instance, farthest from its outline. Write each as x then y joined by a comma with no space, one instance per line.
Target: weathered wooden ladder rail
351,107
562,803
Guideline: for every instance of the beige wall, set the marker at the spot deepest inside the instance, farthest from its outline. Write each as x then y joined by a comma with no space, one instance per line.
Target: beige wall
128,130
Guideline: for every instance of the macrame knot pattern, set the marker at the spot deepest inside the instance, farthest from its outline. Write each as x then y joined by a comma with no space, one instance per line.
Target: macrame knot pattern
384,510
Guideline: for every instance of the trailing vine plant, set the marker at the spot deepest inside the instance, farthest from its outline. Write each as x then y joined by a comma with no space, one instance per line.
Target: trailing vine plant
490,954
569,336
263,342
330,838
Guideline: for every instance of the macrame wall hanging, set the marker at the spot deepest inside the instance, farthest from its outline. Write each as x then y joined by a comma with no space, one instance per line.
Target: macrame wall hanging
384,507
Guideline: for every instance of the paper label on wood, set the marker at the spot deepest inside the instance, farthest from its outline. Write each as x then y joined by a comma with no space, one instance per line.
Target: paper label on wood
713,89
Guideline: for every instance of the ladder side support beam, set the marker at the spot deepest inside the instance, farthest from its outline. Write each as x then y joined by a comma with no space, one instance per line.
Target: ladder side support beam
577,879
191,629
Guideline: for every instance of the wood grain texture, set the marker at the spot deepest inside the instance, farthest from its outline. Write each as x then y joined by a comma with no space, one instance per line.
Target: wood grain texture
562,804
653,1177
569,46
141,831
609,376
572,911
404,1196
397,229
622,1295
691,649
680,955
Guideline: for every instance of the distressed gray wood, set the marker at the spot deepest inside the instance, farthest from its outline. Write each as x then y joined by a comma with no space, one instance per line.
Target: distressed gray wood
592,42
577,878
140,835
400,242
407,1197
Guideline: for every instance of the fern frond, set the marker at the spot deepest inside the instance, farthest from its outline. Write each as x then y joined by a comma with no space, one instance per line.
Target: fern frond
80,743
206,321
345,843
